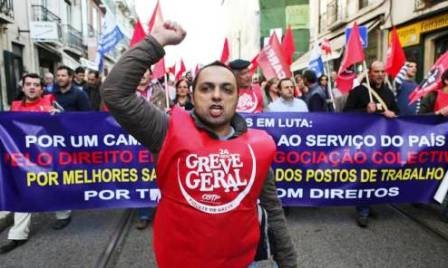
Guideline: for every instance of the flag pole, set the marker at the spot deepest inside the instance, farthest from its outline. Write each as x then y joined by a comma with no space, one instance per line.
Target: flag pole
391,85
167,98
329,87
369,88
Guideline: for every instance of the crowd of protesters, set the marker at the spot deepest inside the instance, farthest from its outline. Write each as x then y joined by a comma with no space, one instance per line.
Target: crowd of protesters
79,90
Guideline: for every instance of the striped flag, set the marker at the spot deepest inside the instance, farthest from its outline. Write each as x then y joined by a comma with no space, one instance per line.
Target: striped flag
110,36
316,63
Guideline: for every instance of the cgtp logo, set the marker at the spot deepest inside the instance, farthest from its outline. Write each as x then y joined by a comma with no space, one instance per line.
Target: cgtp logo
217,182
247,102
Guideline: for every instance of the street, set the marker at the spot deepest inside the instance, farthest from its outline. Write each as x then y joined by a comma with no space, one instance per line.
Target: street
324,237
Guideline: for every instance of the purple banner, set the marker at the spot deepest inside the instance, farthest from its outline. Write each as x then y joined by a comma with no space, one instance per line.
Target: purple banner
85,160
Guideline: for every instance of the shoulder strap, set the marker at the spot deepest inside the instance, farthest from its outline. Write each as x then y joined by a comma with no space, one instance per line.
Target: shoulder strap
377,97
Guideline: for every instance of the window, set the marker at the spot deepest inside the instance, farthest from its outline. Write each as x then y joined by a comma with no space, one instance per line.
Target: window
363,3
69,13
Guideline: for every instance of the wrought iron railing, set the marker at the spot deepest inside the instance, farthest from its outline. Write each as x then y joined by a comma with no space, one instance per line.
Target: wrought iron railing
73,37
7,8
41,13
334,12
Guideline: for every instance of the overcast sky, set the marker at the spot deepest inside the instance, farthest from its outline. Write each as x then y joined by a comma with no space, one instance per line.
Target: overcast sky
202,19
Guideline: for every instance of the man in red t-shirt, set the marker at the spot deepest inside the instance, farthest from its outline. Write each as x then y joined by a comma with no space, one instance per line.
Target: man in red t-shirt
32,101
250,97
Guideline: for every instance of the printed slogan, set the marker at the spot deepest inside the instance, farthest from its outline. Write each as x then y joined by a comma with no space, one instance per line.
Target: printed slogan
85,160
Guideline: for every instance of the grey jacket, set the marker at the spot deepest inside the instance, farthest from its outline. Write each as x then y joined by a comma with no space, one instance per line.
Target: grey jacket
149,126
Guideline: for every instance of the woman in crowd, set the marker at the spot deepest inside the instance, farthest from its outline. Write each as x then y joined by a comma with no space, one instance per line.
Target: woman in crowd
183,98
323,82
270,91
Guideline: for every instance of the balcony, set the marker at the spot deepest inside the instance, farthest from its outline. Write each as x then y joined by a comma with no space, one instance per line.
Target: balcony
73,38
6,11
323,25
335,14
40,13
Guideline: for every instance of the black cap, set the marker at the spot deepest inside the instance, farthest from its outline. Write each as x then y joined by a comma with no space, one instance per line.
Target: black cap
239,64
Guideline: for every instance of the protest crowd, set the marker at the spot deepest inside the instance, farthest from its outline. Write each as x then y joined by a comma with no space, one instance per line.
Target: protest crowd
388,88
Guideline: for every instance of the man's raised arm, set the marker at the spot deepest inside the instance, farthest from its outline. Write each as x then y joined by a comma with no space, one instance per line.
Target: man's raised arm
138,117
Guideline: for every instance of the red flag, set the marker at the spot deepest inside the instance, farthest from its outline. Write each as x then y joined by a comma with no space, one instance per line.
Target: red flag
344,81
156,17
354,53
139,34
288,45
253,65
181,70
433,80
326,46
272,61
172,69
441,100
225,52
395,55
196,70
159,69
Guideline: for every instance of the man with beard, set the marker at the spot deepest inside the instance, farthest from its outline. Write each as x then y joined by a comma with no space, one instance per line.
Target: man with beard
287,102
211,169
383,103
68,96
250,98
71,99
92,89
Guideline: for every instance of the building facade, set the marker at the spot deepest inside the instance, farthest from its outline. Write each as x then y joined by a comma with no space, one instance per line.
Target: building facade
251,22
39,35
243,27
422,26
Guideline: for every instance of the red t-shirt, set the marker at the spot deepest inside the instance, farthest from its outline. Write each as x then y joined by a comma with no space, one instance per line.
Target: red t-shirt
43,104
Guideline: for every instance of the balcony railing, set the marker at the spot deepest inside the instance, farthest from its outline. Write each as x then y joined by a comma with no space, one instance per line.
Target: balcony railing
7,8
40,13
323,22
334,12
73,37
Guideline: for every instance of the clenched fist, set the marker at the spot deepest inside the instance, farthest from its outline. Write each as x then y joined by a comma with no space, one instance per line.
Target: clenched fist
169,33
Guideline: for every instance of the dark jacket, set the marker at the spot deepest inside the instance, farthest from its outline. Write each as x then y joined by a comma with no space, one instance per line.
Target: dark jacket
403,92
149,126
316,99
358,99
74,100
427,103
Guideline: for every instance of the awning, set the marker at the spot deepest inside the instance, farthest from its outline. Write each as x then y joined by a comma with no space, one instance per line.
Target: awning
69,61
89,64
47,51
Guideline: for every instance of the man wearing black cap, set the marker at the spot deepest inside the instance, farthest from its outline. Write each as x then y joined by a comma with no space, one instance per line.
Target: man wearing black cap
250,97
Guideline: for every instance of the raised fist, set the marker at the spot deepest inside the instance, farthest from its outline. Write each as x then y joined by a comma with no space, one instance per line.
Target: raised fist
169,33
